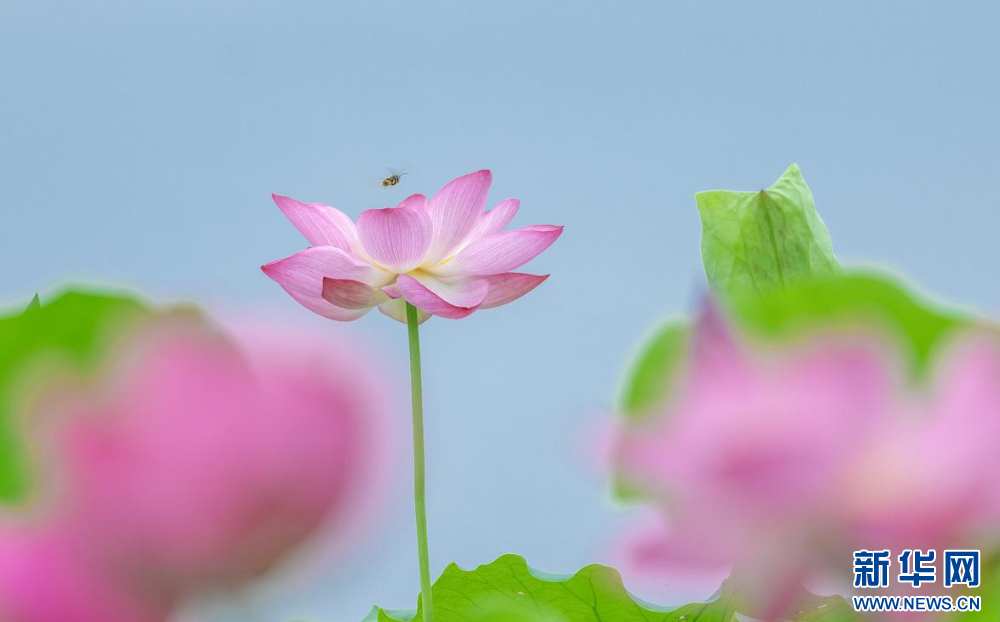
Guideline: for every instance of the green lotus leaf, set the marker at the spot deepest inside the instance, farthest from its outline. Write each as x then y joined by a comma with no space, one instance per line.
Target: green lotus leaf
507,590
762,241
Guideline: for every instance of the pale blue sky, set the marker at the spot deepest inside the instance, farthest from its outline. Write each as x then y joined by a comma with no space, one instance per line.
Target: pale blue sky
140,141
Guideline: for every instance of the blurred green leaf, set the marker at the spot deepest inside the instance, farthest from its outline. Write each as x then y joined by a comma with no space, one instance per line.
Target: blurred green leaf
654,368
859,299
508,591
762,241
847,300
73,329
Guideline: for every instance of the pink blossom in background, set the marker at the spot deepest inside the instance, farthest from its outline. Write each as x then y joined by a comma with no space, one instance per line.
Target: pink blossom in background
780,462
444,255
195,463
943,448
47,575
745,456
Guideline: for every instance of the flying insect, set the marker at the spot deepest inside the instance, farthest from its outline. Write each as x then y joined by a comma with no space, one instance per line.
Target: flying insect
392,179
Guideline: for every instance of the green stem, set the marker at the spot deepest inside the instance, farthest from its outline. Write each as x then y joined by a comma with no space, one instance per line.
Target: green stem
419,490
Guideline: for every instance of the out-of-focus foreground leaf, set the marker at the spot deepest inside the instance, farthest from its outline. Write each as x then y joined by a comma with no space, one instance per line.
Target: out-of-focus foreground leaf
762,241
654,368
851,300
74,331
861,299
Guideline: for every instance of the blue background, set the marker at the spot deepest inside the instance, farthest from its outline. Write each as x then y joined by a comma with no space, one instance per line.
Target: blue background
139,144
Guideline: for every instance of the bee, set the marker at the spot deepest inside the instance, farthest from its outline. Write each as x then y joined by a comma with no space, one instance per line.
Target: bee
392,179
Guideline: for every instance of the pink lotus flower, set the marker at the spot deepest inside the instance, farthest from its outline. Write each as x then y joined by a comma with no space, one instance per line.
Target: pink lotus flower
193,463
781,462
923,483
445,256
48,576
745,458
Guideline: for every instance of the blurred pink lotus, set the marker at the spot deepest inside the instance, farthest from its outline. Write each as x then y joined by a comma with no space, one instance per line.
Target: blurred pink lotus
928,479
194,464
445,256
780,462
49,576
